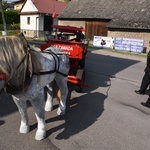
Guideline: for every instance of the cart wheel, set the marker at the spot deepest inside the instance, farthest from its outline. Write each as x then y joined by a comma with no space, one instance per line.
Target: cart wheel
79,88
82,63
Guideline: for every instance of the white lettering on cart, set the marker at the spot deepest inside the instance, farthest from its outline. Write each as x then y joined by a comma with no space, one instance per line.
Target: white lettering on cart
69,48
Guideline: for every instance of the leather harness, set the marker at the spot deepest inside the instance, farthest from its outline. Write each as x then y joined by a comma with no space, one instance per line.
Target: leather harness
29,74
28,77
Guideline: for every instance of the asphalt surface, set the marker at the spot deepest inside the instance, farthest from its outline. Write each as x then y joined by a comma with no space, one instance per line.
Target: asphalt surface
105,116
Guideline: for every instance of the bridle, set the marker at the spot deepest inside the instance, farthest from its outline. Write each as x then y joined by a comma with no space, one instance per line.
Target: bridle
4,77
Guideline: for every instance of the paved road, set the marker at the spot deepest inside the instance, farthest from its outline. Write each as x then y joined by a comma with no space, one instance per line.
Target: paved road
106,116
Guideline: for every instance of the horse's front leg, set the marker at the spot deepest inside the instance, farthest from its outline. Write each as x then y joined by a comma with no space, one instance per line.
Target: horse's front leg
38,105
22,107
49,99
62,94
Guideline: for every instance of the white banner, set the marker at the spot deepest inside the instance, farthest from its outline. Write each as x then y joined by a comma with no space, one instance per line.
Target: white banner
103,42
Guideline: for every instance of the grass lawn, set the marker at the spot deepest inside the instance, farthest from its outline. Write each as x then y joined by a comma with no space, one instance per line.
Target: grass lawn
11,32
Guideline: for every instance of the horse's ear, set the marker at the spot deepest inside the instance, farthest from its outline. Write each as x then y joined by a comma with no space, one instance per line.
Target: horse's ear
21,35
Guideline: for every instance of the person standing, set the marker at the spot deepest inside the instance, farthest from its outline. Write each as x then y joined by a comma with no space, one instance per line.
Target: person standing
146,78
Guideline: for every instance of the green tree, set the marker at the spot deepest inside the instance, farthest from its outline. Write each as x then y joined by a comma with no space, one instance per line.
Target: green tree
5,5
12,16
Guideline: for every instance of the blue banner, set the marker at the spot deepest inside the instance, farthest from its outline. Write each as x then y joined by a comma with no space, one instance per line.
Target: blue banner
130,45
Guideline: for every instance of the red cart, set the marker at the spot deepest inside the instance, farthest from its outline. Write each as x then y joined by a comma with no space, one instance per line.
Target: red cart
66,38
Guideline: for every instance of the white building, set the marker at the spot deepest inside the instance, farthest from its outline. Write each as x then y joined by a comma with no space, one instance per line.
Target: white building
37,16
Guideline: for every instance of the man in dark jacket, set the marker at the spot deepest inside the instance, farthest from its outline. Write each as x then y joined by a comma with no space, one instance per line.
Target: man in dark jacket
146,78
145,82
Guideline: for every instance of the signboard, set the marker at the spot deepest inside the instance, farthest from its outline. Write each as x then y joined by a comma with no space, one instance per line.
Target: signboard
130,45
103,42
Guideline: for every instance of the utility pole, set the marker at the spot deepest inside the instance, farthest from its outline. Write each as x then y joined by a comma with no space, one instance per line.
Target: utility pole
3,18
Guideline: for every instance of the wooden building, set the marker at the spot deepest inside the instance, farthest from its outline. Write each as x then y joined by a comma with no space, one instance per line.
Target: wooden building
114,18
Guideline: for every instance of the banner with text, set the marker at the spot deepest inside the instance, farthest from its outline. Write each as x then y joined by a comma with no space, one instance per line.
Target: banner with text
130,45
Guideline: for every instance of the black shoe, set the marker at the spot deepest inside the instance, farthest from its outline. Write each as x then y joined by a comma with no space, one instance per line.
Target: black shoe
139,92
145,104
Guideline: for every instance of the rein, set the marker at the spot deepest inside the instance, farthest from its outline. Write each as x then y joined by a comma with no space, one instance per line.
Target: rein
15,90
27,76
22,61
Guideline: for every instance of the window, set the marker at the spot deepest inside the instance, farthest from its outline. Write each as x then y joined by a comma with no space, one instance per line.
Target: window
28,20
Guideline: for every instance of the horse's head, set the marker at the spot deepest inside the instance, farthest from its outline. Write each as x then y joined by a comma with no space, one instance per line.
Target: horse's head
13,54
2,81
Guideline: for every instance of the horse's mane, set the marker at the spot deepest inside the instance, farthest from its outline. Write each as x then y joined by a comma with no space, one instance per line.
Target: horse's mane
12,51
37,66
10,47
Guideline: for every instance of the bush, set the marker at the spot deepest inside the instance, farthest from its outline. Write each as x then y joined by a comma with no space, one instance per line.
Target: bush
1,27
10,17
14,26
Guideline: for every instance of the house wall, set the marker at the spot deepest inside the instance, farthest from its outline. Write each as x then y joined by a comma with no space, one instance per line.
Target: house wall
133,35
18,6
72,23
35,28
29,7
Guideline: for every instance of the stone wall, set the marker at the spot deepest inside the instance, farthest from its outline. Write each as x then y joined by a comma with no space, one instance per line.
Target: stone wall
33,33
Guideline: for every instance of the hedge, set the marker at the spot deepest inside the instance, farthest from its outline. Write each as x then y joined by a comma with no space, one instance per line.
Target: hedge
11,16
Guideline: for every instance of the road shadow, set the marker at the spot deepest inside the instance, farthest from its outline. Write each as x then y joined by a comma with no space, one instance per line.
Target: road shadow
84,110
106,66
7,104
2,122
80,116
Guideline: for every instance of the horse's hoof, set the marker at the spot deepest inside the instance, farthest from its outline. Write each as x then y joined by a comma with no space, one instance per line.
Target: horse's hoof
24,129
60,112
48,108
40,135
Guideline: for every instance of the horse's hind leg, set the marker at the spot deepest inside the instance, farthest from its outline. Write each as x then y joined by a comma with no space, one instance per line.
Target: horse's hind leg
49,99
22,107
38,104
62,84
